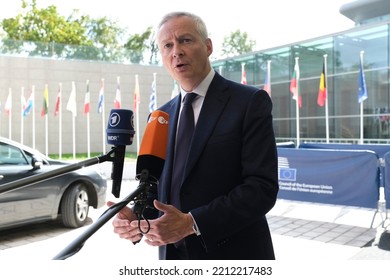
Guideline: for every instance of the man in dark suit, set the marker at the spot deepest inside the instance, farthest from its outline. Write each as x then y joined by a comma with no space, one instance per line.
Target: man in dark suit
229,180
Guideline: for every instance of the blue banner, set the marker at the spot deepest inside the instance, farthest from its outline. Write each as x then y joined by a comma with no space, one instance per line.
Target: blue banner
379,149
339,177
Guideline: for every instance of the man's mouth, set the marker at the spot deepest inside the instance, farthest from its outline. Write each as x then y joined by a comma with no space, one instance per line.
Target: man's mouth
181,65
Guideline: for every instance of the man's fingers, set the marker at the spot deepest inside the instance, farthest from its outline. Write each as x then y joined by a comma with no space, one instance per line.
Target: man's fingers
110,203
162,206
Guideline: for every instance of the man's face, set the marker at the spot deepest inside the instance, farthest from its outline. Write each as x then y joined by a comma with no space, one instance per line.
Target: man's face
184,52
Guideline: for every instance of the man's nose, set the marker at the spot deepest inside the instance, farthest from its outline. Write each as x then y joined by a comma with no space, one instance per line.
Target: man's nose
177,51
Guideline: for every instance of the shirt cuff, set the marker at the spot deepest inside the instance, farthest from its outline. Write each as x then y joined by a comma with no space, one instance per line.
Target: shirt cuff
194,226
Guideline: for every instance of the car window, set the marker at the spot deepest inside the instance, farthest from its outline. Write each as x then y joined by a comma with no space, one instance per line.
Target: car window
12,155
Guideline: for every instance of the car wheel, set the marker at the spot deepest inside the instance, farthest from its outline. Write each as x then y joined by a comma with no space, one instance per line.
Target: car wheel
75,206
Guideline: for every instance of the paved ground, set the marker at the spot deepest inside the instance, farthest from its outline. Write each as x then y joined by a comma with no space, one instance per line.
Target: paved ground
310,240
300,230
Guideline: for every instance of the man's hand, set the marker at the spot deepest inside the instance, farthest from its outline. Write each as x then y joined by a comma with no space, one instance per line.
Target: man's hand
123,224
171,227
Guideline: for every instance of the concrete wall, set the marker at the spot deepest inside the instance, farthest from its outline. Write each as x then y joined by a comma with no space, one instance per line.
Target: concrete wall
17,73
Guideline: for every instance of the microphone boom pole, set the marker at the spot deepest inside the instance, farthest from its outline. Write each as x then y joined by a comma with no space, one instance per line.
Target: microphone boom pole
55,173
120,133
78,243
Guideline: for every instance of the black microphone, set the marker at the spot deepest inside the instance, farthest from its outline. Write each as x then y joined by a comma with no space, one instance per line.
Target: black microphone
120,133
151,159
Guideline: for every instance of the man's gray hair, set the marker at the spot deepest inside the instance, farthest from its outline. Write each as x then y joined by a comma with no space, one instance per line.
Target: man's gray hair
200,25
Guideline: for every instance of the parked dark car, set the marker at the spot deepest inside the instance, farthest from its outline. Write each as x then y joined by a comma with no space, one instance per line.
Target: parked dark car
67,196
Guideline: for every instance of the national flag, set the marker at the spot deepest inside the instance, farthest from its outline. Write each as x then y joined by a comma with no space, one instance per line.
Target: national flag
117,101
267,86
137,99
45,103
87,100
23,100
58,101
294,84
72,105
29,104
243,74
267,80
322,88
101,96
362,92
8,103
153,96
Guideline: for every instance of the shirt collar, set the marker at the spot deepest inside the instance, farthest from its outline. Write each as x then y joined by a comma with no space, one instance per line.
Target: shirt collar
202,88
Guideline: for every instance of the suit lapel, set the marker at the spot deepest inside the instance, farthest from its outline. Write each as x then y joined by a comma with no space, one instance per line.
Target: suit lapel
213,106
173,112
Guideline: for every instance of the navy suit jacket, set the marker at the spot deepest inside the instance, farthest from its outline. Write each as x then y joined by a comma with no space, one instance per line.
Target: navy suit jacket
230,179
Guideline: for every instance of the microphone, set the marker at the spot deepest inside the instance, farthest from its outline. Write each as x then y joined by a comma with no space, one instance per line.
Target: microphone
150,161
120,133
151,156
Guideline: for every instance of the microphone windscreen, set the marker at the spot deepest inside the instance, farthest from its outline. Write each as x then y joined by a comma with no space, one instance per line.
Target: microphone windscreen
120,127
154,143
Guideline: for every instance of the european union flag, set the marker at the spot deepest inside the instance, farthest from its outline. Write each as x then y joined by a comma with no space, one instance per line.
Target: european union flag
287,174
362,83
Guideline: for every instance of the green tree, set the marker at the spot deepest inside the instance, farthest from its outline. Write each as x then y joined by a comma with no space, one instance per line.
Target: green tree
42,27
237,43
153,47
105,35
138,44
50,34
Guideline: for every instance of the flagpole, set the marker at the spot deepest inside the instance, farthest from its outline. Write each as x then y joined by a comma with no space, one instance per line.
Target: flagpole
326,99
74,135
46,136
21,117
155,88
361,123
362,95
72,107
137,112
33,114
103,121
361,104
46,121
153,95
10,115
243,74
267,80
297,105
269,75
74,124
118,100
60,121
88,127
88,137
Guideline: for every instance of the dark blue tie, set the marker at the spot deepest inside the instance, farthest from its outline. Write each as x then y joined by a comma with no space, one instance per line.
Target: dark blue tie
185,131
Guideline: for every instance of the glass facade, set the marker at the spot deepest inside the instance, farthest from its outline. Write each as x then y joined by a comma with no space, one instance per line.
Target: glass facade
342,56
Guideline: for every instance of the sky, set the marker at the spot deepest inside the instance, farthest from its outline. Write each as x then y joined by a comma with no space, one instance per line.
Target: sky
270,23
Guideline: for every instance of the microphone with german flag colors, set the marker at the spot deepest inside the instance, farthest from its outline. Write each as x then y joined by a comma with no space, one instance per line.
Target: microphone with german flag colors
151,159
